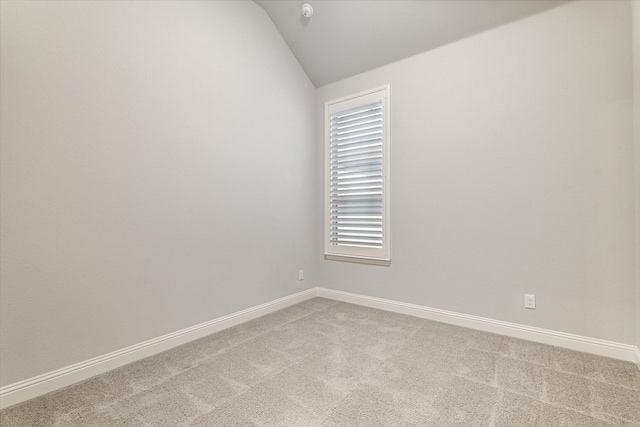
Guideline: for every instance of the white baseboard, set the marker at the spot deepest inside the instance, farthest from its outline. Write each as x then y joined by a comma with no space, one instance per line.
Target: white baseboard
33,387
545,336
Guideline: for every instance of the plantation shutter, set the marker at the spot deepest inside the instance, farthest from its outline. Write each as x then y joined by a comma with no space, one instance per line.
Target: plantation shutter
357,176
357,186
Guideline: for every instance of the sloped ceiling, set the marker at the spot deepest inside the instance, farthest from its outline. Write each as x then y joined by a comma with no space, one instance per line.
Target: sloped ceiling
347,37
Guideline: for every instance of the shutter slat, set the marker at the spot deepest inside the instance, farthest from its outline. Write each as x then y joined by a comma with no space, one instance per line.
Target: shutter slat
345,214
355,111
358,215
353,150
356,116
356,245
339,178
356,172
345,183
343,159
370,240
358,187
368,123
355,205
355,141
359,165
363,237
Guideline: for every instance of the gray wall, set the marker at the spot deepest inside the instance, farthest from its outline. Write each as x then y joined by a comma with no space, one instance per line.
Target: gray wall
513,173
155,173
635,16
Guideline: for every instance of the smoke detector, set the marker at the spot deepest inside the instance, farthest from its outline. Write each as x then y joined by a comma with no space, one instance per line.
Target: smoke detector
307,10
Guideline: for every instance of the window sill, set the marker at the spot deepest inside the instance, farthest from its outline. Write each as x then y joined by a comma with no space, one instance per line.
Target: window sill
358,260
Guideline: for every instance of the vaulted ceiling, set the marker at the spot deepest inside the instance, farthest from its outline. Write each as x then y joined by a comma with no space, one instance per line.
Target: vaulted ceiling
347,37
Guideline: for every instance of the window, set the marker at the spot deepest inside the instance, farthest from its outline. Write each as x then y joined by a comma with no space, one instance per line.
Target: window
358,146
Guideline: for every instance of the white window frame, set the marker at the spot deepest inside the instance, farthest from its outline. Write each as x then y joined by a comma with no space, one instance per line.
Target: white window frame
376,256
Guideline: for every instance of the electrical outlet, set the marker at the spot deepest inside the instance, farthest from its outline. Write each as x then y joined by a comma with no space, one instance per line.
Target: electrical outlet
300,274
530,301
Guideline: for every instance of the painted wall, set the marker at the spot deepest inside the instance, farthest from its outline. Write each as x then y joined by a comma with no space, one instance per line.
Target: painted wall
512,173
155,173
635,23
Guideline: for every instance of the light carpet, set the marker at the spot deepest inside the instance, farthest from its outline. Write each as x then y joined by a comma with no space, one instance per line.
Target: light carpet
326,363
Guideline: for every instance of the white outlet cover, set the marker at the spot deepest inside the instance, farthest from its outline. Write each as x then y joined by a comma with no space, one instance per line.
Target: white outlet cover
300,274
530,301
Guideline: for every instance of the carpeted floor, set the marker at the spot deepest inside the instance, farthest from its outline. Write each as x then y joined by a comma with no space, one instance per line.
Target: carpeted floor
327,363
